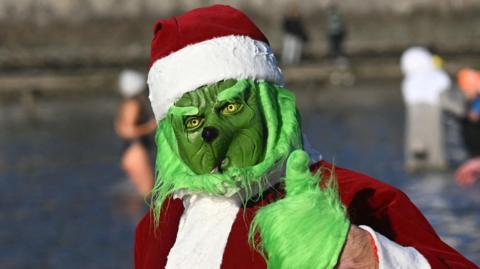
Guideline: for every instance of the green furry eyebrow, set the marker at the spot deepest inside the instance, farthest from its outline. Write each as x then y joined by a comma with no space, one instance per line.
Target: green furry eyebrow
227,94
233,91
183,111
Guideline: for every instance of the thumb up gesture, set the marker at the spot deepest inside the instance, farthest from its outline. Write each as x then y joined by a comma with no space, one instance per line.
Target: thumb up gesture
307,228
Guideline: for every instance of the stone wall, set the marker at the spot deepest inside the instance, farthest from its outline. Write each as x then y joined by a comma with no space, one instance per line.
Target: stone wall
45,11
75,33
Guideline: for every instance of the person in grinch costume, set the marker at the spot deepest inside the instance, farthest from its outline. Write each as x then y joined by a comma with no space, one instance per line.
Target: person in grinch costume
235,187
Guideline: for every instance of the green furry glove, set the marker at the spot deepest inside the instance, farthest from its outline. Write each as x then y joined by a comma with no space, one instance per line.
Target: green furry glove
306,229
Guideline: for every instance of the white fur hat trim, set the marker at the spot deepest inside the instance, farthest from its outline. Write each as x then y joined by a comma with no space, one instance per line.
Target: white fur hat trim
207,62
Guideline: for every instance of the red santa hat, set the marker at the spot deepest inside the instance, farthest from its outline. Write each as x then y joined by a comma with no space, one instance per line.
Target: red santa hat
204,46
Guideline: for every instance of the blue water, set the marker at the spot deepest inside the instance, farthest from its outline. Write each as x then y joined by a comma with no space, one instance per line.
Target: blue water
59,174
56,172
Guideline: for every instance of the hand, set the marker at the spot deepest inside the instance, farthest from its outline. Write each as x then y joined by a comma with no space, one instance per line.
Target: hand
307,227
358,251
468,173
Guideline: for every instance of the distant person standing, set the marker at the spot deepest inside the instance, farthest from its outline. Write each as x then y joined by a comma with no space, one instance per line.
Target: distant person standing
452,102
469,83
422,87
336,31
135,125
294,37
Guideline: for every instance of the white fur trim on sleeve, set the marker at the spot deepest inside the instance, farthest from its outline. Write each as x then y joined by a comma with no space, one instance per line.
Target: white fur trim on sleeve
393,256
207,62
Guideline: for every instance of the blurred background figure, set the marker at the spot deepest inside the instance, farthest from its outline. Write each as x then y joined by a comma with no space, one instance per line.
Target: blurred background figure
469,83
452,102
336,31
341,73
422,86
474,110
135,125
294,36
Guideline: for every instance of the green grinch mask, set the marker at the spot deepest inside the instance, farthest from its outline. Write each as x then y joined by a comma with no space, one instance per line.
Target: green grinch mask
224,137
228,129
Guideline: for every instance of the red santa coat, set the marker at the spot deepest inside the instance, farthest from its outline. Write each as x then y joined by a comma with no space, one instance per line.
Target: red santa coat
369,202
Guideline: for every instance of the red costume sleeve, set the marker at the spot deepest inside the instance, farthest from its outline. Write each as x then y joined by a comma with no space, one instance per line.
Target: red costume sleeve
390,212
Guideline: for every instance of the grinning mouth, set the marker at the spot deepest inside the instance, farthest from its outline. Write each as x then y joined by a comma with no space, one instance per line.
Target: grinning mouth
220,166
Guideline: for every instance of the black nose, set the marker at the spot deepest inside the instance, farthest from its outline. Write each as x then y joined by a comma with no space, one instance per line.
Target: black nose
209,134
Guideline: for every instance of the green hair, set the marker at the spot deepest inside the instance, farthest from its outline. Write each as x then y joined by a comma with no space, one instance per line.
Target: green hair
281,117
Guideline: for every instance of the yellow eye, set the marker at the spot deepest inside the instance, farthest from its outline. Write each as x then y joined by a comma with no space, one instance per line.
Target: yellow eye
194,122
231,108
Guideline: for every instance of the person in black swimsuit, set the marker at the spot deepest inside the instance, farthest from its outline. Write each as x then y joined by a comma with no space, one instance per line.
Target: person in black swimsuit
135,125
